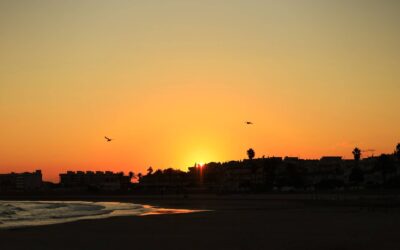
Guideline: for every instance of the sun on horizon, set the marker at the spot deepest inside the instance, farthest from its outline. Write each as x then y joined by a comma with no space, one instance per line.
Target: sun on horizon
176,81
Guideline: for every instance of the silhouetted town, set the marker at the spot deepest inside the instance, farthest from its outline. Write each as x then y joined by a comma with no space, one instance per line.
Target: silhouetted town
266,174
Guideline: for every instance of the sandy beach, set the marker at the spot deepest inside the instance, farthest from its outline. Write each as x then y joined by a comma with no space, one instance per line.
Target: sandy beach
250,222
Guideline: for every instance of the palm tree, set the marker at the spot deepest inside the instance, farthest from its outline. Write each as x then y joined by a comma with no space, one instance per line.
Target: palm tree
251,153
356,175
357,154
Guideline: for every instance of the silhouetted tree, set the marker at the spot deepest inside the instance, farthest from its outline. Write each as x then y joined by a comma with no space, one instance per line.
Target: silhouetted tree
357,154
131,175
149,170
357,175
251,153
139,175
397,151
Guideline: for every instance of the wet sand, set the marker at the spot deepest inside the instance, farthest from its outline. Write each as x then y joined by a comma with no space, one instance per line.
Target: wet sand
251,222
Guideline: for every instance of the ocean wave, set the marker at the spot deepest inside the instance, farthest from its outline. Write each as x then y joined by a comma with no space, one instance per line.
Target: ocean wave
32,213
35,213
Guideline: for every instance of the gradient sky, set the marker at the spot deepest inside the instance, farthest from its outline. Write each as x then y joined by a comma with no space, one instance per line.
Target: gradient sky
174,81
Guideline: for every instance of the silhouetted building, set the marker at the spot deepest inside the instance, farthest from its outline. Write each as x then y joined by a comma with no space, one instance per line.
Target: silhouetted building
21,181
291,159
238,179
331,158
166,179
275,173
96,180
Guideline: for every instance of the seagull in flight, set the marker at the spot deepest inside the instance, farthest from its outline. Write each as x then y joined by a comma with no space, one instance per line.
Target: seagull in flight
108,139
249,123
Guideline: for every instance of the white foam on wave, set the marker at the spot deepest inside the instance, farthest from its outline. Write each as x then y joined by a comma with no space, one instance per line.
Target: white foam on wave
36,213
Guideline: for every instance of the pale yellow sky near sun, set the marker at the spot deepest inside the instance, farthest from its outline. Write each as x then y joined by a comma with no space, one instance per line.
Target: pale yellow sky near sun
174,81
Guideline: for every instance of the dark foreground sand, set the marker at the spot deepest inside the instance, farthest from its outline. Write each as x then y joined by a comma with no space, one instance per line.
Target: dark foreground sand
234,223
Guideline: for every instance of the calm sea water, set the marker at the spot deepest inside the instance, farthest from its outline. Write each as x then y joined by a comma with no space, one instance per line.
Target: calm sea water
35,213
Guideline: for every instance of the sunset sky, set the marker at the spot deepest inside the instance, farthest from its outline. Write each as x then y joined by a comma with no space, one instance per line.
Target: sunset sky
174,81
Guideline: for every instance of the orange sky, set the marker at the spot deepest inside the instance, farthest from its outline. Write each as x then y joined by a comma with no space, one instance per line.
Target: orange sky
174,81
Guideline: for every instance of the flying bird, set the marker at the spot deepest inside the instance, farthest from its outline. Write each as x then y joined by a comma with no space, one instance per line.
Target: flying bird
108,139
249,123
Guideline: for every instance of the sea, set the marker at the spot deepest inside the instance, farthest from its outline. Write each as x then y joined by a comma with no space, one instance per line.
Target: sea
14,214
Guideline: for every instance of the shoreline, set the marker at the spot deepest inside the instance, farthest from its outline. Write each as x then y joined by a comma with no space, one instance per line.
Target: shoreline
42,213
214,201
249,222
